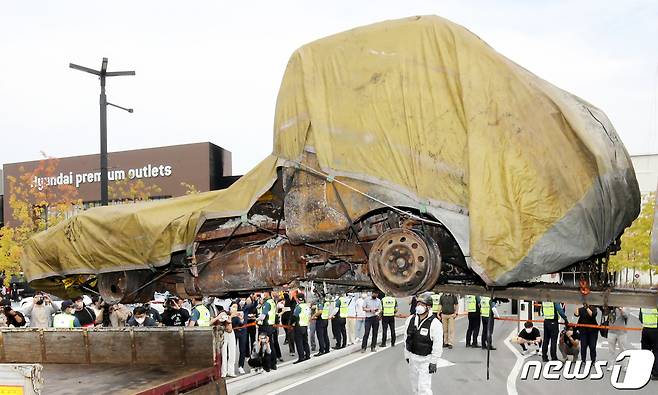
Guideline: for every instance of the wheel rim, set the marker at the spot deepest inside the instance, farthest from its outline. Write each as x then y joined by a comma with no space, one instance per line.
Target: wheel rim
404,262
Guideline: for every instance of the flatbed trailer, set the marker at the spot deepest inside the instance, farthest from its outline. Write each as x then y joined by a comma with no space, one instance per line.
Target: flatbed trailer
124,361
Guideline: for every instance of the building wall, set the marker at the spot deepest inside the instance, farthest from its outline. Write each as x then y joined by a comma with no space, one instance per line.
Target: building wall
646,171
203,165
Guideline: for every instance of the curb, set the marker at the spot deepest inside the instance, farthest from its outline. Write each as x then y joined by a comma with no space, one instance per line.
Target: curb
250,382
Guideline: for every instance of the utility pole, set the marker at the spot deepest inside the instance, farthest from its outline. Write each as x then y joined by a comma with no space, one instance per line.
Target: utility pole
102,73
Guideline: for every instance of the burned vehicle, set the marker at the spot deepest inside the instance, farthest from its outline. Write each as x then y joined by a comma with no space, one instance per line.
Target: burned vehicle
407,154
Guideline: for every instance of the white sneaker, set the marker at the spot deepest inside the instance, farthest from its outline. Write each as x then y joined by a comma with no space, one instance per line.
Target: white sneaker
524,352
241,370
537,352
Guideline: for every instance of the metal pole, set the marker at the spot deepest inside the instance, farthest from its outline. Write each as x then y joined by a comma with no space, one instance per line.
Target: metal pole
103,109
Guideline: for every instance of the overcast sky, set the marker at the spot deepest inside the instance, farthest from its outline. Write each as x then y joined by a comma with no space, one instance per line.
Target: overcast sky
210,70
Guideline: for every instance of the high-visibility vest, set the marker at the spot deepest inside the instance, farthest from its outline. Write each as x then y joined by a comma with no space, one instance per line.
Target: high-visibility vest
549,310
649,318
271,315
63,320
344,306
204,315
388,304
304,314
435,303
471,304
485,306
326,309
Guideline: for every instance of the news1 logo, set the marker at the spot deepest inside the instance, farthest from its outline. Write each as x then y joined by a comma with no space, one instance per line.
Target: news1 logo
638,370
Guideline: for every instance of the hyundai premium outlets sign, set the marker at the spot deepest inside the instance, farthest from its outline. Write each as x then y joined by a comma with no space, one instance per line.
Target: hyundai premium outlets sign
77,179
637,371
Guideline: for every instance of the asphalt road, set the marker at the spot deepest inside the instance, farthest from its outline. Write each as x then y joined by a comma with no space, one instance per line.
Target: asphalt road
385,372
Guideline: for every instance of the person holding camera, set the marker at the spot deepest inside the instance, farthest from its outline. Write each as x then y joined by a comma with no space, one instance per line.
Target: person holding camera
588,336
40,311
174,314
262,355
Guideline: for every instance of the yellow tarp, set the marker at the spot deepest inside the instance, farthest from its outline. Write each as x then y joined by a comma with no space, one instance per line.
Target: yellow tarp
422,106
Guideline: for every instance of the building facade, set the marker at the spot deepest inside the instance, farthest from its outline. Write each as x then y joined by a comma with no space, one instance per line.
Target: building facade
164,171
646,171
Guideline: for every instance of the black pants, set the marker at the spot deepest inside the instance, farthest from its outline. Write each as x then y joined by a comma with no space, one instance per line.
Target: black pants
322,333
290,337
371,322
340,333
265,361
251,334
588,339
551,332
473,328
388,323
243,346
301,342
487,333
650,342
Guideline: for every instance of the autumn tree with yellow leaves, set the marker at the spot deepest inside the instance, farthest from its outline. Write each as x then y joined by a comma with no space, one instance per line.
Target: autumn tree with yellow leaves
636,241
35,205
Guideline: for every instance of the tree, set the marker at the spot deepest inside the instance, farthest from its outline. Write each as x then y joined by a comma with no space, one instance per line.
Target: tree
636,241
38,200
132,190
190,189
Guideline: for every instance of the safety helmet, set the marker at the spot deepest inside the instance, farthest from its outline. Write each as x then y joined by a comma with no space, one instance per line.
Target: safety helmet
425,298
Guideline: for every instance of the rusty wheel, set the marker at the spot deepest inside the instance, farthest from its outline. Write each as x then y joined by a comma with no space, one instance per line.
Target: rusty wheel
403,262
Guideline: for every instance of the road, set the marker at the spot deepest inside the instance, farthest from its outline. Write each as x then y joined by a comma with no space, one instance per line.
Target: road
385,371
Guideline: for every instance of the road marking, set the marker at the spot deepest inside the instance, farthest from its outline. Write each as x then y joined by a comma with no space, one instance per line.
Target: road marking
511,378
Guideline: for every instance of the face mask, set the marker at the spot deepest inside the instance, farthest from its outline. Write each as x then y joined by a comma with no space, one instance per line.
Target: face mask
420,309
364,296
528,330
140,320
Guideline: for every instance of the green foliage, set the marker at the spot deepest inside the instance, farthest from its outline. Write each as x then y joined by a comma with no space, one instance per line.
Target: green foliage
636,241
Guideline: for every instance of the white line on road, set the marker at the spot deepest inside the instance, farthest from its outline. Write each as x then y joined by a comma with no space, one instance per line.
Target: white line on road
511,378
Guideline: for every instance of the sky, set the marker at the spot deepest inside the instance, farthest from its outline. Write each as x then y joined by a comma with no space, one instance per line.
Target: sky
211,70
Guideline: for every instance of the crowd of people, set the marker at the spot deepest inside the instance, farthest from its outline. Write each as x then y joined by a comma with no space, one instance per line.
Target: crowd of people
252,324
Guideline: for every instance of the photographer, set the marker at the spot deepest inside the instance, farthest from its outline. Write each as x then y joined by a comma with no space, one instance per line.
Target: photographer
261,354
14,318
40,311
174,314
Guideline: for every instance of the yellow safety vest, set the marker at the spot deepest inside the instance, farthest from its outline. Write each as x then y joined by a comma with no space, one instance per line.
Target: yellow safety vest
326,309
388,304
63,320
471,304
304,314
204,315
271,315
549,310
344,306
649,318
435,303
485,306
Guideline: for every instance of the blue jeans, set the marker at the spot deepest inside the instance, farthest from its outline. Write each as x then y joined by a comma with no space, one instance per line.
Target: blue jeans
360,325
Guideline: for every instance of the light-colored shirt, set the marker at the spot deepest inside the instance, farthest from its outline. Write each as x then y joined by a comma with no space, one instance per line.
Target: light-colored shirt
358,308
372,307
41,316
436,335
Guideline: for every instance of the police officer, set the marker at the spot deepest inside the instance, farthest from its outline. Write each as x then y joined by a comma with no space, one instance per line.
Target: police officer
66,319
389,309
322,315
649,319
301,318
200,315
436,304
486,304
551,310
339,322
473,309
423,345
266,320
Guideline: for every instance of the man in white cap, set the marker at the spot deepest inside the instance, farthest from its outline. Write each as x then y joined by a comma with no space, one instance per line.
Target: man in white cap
423,345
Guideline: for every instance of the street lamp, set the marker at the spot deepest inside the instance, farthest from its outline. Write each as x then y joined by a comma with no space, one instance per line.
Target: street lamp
102,73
